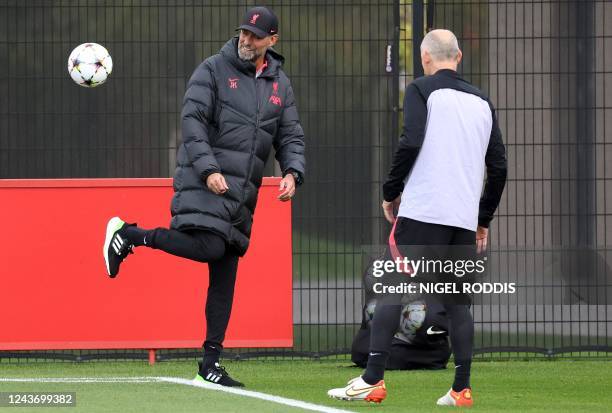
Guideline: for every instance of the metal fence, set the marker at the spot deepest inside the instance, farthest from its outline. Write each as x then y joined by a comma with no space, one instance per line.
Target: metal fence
547,66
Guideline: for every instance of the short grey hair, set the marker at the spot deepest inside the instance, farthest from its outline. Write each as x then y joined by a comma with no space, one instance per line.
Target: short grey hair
442,45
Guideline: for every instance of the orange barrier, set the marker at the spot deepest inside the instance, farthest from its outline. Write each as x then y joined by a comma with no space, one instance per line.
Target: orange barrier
54,292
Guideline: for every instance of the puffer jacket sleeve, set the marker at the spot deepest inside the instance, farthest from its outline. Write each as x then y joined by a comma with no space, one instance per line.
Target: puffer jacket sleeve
289,141
197,116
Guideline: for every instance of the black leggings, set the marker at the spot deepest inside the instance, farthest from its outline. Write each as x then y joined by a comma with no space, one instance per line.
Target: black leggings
211,248
461,326
196,245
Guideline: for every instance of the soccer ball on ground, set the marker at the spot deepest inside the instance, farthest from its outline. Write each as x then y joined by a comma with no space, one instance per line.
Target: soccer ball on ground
89,65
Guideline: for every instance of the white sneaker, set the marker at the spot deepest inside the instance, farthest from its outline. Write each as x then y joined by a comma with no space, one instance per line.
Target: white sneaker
458,399
357,389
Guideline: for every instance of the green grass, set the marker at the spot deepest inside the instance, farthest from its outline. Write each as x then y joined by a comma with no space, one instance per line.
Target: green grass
534,386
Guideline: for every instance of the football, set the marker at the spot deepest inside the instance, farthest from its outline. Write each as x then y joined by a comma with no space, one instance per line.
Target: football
411,319
89,65
413,316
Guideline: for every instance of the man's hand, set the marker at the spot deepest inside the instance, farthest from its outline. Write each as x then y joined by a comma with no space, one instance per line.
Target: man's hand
481,239
389,209
287,188
216,183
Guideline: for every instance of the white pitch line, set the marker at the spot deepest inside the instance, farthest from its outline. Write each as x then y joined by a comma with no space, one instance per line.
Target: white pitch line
82,380
209,386
254,394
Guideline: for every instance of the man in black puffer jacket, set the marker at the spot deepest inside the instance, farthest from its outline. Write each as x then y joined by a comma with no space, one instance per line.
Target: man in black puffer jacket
238,104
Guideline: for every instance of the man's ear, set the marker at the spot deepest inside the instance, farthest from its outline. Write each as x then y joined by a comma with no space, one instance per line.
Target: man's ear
425,57
273,40
459,57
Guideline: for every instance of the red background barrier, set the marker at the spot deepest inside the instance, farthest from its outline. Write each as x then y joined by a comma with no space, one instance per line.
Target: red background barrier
55,294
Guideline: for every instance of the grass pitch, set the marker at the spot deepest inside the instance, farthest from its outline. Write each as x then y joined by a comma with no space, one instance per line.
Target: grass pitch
535,386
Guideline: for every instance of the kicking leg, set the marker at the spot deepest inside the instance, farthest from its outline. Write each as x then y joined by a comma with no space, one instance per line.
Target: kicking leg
197,245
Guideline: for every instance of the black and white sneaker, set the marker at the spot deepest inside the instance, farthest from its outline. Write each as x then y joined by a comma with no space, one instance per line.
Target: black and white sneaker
116,247
216,375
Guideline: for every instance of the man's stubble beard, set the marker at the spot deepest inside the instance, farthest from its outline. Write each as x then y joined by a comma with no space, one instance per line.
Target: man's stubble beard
249,55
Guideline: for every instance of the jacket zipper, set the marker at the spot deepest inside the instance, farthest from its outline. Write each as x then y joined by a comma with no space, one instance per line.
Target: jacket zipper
248,177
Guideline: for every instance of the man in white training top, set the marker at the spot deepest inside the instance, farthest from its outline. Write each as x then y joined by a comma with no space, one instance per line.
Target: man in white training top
450,136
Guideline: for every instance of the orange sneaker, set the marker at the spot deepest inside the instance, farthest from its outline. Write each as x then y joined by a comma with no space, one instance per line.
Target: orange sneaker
357,389
458,399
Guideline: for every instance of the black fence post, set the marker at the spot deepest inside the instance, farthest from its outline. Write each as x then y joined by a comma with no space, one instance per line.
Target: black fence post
431,14
394,65
585,124
418,15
